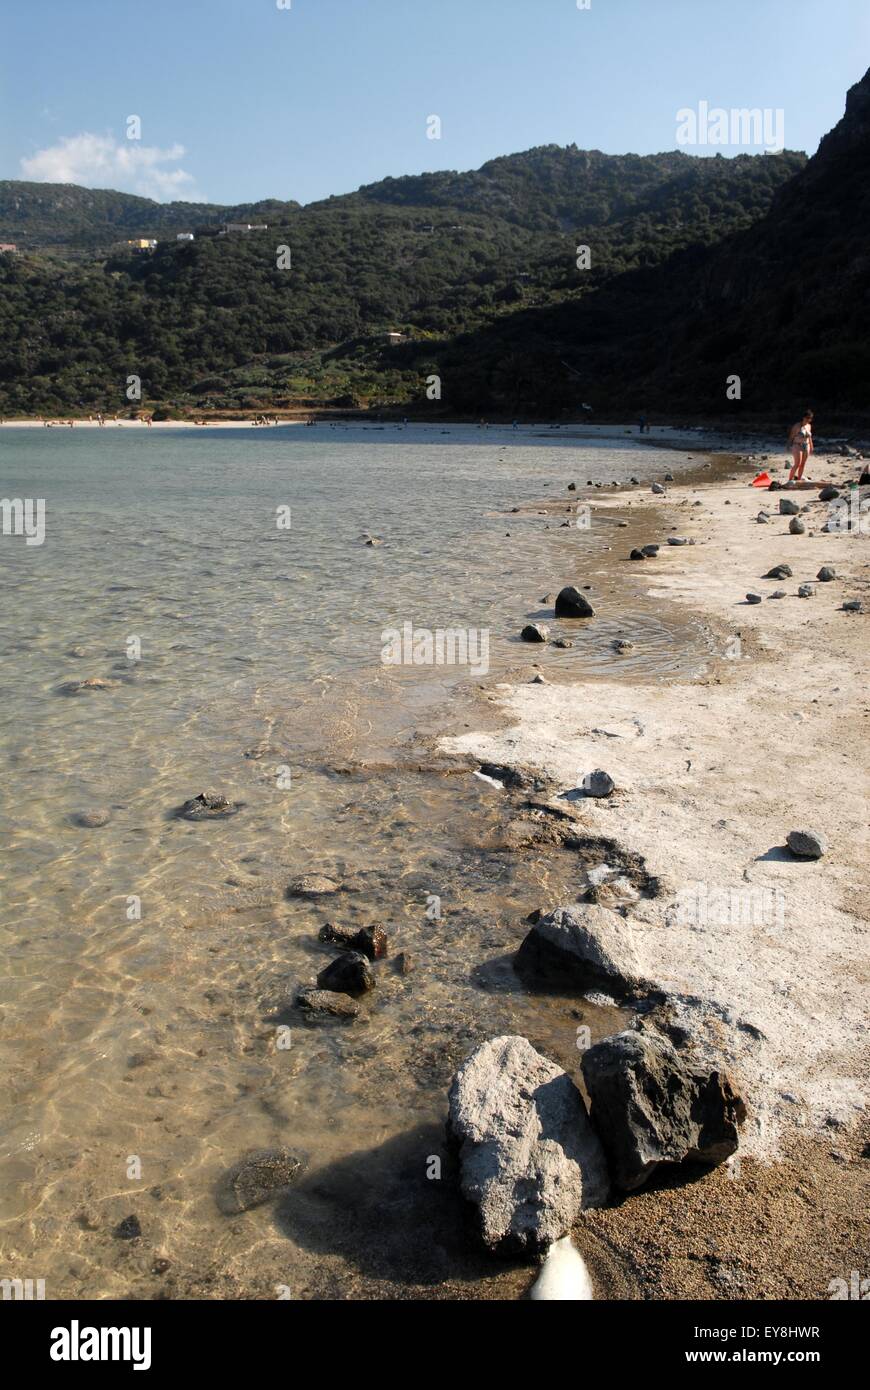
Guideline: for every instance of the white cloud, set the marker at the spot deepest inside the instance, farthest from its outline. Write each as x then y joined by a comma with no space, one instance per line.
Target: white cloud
99,161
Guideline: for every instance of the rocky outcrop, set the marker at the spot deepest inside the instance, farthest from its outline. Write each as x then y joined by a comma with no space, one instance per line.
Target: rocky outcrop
529,1159
583,946
651,1105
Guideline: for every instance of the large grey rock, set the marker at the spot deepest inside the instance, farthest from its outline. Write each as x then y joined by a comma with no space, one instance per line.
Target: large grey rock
778,572
651,1104
529,1159
535,632
788,506
570,603
582,946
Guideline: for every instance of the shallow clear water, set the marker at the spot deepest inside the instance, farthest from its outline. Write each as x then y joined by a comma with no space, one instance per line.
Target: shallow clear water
260,676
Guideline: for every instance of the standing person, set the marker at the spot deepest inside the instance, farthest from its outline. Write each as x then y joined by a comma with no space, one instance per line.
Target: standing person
800,441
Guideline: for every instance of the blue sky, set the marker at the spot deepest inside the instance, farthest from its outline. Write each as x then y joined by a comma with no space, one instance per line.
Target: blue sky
241,99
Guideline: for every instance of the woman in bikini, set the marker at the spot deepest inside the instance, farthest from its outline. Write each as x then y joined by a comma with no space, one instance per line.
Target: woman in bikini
800,441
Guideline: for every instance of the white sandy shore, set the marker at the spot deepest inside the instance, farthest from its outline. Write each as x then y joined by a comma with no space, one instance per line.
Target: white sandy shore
711,777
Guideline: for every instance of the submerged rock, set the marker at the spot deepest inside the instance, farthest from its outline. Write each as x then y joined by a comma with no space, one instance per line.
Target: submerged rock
91,820
260,1175
311,886
582,946
350,974
89,686
570,603
327,1002
651,1104
808,844
529,1159
207,806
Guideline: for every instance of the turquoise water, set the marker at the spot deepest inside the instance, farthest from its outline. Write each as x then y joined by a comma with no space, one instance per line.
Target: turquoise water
246,658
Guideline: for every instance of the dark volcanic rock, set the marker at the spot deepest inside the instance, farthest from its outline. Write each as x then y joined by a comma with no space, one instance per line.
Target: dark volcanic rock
637,555
650,550
535,632
582,946
651,1105
529,1159
350,974
808,844
371,942
260,1175
570,603
829,494
331,932
753,598
826,574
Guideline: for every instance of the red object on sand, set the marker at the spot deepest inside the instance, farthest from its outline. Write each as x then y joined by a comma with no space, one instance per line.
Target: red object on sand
763,480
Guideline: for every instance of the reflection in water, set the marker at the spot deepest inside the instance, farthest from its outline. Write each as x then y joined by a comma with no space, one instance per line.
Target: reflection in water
150,961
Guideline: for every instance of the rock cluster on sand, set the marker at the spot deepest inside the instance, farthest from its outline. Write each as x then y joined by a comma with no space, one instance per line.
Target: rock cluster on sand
651,1104
529,1159
570,603
582,946
261,1174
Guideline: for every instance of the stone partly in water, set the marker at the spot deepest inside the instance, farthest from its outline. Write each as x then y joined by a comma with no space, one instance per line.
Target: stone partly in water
327,1003
651,1104
371,942
86,687
207,806
535,632
582,946
570,603
807,844
563,642
128,1229
350,974
311,886
259,1176
529,1159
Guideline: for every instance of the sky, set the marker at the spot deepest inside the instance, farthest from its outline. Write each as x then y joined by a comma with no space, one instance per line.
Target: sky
246,99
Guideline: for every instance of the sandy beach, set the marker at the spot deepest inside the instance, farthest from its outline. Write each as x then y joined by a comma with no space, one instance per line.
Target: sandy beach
770,976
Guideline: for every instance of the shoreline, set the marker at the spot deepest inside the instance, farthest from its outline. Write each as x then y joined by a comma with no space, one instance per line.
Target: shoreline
711,775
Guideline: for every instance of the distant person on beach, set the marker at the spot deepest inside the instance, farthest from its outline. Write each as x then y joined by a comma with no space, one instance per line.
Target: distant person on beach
800,441
641,424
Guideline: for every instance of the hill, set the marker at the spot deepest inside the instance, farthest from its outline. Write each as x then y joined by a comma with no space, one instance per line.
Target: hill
472,267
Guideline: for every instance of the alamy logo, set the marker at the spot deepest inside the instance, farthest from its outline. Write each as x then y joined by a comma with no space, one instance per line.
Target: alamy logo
443,646
76,1343
712,905
25,1290
23,517
740,125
